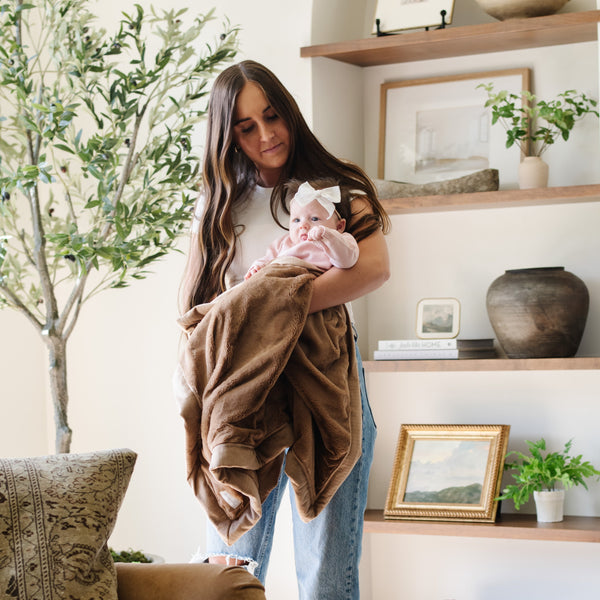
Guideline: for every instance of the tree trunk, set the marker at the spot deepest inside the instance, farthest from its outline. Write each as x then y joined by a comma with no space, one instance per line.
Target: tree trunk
57,354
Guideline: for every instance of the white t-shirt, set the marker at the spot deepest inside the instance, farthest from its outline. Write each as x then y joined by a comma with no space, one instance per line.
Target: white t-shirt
259,230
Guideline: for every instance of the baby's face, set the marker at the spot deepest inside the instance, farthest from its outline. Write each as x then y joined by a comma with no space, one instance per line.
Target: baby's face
304,218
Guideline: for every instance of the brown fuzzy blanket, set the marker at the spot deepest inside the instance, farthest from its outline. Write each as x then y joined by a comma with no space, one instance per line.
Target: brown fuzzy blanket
258,375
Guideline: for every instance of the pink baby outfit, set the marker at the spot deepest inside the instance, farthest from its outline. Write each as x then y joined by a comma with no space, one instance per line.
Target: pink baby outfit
335,249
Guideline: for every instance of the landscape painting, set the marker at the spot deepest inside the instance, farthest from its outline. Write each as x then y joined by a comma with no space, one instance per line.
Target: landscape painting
447,471
438,318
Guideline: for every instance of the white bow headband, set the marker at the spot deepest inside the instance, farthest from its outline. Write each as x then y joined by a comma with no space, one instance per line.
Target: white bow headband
326,197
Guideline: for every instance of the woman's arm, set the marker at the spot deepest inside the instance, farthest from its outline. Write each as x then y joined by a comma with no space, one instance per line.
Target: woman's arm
372,270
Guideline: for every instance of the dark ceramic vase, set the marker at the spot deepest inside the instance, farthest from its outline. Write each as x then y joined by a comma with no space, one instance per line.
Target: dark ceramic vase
538,313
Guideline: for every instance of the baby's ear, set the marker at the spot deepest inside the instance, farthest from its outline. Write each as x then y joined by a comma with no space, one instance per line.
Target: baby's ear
341,225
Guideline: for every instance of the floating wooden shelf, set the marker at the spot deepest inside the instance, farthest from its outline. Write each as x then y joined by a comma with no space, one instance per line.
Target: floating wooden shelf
486,364
500,199
513,34
519,526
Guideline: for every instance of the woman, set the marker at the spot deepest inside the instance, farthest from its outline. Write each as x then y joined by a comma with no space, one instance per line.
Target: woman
257,140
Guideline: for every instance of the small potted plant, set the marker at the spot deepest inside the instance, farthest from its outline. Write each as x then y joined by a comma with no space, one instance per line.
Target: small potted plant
546,477
535,124
134,556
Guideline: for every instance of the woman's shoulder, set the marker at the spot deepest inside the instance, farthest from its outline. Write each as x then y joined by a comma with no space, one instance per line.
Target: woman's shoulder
360,202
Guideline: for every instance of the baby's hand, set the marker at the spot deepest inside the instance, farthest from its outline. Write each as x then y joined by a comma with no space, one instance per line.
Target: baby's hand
252,271
316,233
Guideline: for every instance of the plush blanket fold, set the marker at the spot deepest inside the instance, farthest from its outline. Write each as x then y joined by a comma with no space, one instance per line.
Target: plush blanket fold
258,375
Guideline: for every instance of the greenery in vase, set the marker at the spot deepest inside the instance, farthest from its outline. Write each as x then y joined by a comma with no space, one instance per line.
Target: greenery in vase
535,124
97,170
536,472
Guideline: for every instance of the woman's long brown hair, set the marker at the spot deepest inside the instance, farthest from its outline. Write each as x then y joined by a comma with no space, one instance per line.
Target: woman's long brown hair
228,176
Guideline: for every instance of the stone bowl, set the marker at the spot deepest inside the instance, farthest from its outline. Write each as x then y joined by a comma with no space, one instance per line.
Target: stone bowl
520,9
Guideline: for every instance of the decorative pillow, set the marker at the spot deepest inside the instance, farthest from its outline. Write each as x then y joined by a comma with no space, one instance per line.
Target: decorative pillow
56,515
486,180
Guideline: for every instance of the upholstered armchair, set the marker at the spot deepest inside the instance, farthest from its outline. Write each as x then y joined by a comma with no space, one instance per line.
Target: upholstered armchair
56,515
186,582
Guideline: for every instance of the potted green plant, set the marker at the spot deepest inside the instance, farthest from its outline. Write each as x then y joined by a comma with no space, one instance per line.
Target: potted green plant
546,477
134,556
534,125
98,170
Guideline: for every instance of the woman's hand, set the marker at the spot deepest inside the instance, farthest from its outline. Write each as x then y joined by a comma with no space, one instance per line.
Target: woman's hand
371,271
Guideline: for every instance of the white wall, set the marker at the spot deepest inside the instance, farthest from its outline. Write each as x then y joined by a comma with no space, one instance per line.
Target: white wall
22,388
123,351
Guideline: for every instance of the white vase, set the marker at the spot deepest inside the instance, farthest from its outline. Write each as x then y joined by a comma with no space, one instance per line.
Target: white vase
155,558
533,173
549,505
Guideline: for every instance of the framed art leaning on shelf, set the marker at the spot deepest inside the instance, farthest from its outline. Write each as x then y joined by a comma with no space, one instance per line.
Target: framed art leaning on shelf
438,128
447,472
397,15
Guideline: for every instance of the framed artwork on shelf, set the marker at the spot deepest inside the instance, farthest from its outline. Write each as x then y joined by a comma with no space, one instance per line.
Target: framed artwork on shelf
397,15
438,318
439,128
447,472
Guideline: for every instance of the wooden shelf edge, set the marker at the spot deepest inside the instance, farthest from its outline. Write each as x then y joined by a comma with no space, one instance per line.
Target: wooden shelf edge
513,34
576,363
517,526
497,199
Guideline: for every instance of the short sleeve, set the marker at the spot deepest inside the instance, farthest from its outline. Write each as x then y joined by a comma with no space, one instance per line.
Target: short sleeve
198,211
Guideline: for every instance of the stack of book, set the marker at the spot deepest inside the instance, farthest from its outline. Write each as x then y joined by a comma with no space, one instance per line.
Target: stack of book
435,348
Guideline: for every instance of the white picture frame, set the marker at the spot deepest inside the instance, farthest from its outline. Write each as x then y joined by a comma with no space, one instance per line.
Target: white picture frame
438,128
438,318
398,15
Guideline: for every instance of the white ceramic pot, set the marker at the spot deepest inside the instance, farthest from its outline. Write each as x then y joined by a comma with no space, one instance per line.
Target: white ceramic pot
549,505
155,558
520,9
533,173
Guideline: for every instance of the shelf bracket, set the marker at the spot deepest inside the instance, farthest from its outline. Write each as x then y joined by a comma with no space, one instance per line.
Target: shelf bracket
382,33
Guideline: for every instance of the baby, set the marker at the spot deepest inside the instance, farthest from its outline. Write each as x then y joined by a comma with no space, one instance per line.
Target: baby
316,229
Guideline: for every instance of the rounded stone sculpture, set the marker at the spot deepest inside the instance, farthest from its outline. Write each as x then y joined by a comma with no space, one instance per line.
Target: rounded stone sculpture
538,313
519,9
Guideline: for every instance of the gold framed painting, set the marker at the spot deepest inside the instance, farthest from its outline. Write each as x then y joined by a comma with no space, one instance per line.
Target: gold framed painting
447,473
439,128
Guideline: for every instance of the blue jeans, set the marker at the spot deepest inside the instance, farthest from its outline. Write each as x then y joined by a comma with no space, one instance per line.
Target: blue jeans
327,549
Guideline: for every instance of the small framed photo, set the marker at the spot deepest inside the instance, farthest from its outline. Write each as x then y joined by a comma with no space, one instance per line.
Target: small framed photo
438,318
447,472
398,15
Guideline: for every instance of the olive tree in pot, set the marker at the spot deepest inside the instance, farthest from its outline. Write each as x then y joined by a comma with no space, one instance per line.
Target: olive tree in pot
534,125
546,477
97,170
